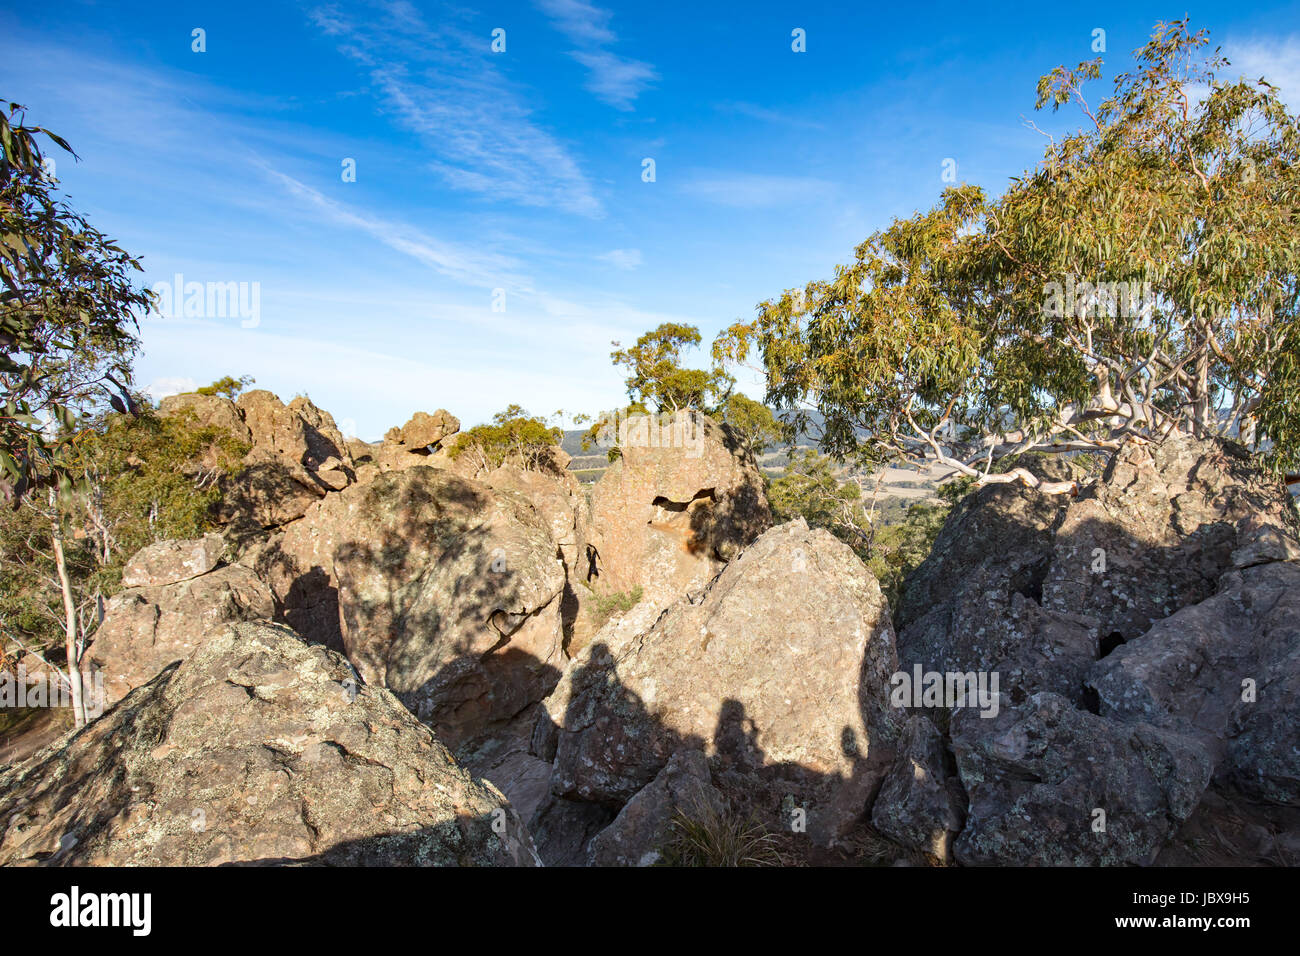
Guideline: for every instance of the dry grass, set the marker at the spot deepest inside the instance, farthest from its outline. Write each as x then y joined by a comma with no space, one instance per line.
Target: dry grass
707,837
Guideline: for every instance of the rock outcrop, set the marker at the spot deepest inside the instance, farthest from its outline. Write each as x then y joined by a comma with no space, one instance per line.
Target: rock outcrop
1157,531
1225,672
1141,643
414,444
424,431
209,411
1123,626
562,504
168,562
680,502
1039,586
958,610
780,670
558,499
296,455
299,436
920,803
258,749
1050,784
146,628
447,592
639,832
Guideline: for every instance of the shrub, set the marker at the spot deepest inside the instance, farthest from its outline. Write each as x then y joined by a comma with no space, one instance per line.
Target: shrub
705,836
605,606
513,436
145,479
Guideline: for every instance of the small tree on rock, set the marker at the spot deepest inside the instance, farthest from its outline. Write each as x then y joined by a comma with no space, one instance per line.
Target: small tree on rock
657,379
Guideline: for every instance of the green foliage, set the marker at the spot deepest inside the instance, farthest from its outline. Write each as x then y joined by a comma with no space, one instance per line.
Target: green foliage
753,423
227,386
811,489
160,477
603,431
898,549
67,316
656,376
706,837
605,605
513,436
955,489
1142,278
30,601
140,480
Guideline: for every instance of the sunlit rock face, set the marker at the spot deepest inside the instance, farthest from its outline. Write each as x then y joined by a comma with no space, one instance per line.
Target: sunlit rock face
260,748
778,671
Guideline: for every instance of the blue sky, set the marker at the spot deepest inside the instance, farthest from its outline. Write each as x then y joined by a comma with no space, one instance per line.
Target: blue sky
522,171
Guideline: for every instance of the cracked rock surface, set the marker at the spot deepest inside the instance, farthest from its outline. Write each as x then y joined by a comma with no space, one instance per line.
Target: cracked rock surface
258,749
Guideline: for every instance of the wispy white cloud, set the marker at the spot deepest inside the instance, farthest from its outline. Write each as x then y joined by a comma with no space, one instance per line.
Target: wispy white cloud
611,77
443,86
472,267
755,191
580,21
765,115
625,259
535,314
160,388
614,79
1276,59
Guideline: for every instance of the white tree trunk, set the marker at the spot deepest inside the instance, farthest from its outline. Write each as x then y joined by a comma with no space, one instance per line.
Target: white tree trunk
71,629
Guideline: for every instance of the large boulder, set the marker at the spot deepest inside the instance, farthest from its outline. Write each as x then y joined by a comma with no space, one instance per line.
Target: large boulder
361,451
920,803
561,829
209,411
958,610
298,565
1050,784
421,441
1157,531
562,504
146,628
559,500
167,562
298,456
299,435
1227,672
447,592
258,749
1120,669
682,500
565,828
424,431
1152,535
780,669
641,829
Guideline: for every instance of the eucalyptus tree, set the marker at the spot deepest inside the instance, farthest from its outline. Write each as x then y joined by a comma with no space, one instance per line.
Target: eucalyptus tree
656,376
67,336
68,310
1140,281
